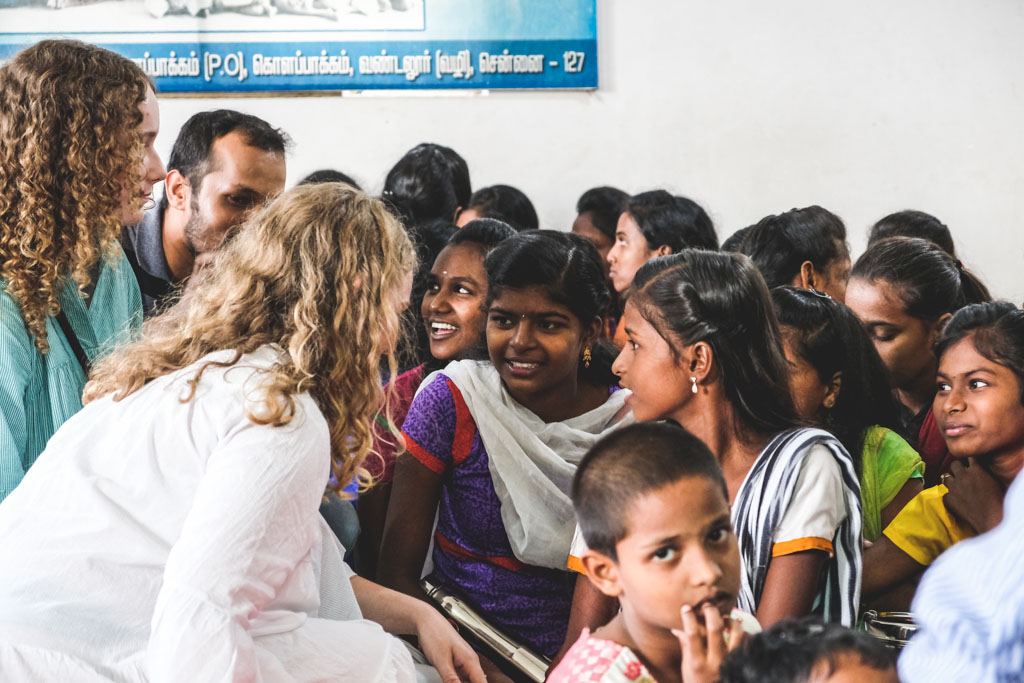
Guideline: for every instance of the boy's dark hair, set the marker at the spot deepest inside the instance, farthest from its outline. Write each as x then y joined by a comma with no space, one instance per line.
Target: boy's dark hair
789,652
625,465
928,281
997,329
329,175
605,205
430,182
190,154
779,245
911,223
676,222
505,203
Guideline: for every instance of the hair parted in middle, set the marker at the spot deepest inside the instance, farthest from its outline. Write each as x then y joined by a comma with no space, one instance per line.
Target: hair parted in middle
568,268
318,272
721,298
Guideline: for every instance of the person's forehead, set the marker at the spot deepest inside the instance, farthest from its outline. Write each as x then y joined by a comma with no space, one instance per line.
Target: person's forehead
233,153
150,113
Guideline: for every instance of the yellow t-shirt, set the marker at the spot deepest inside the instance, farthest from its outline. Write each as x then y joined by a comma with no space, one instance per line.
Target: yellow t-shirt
924,529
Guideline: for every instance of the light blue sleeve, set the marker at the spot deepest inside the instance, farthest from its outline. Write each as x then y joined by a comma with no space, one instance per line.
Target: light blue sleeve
969,607
16,362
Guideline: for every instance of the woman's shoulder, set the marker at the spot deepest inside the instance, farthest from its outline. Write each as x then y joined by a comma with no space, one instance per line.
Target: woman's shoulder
803,439
885,440
813,452
437,388
235,386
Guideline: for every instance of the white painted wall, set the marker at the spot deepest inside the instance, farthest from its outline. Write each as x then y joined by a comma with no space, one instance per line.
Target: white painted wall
750,107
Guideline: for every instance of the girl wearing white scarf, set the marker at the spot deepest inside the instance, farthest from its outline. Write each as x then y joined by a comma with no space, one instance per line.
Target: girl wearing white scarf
493,445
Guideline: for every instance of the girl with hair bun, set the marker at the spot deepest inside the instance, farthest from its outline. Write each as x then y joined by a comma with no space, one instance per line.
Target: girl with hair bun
904,290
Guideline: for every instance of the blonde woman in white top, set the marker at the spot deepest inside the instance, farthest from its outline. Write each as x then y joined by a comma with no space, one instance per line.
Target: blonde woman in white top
170,530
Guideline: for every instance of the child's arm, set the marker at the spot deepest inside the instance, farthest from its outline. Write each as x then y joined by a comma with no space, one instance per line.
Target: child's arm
414,496
428,431
913,487
885,567
790,586
802,541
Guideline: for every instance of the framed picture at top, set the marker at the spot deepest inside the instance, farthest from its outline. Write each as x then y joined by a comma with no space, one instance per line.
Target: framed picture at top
263,46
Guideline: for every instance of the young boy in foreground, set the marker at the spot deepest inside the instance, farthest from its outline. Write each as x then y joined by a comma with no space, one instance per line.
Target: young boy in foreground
652,506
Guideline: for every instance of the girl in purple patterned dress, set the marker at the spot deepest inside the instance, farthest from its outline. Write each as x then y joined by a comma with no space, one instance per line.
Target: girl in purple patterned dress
453,314
492,446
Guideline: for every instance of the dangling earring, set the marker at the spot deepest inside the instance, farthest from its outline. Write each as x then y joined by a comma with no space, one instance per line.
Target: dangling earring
693,388
587,357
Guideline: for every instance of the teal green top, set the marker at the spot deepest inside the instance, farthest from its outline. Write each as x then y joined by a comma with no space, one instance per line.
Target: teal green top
39,393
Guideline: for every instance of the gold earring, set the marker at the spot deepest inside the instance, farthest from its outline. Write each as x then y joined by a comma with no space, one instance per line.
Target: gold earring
693,387
587,356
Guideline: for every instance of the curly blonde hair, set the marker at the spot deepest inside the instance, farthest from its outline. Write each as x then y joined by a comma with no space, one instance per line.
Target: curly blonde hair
69,149
317,272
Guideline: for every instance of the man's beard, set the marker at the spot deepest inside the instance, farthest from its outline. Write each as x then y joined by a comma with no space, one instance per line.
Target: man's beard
194,229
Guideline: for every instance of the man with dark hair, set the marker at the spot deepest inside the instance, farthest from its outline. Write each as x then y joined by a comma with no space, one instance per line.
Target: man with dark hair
223,165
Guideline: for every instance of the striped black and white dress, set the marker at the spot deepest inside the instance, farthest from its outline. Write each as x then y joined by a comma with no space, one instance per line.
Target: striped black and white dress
803,476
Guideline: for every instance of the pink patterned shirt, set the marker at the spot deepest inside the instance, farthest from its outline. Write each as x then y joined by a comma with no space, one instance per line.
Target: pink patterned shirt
595,660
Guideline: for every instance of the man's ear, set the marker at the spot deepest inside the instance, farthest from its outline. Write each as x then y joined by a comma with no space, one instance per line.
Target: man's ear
178,191
807,278
603,572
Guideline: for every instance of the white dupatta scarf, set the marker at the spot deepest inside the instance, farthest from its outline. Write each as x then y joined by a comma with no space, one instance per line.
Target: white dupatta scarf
532,463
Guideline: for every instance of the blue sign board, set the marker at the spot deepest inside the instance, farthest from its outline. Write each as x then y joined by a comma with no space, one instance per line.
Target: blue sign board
260,46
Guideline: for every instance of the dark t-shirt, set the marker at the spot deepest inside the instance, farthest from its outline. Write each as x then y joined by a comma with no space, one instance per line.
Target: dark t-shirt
144,247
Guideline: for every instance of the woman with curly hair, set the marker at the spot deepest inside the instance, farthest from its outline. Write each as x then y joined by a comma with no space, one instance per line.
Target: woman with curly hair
77,162
192,478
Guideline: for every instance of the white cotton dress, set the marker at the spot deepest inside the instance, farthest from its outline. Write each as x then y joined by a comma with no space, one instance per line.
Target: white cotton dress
156,540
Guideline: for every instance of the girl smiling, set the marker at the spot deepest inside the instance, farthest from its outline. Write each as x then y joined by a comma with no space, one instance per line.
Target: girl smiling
493,446
453,313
